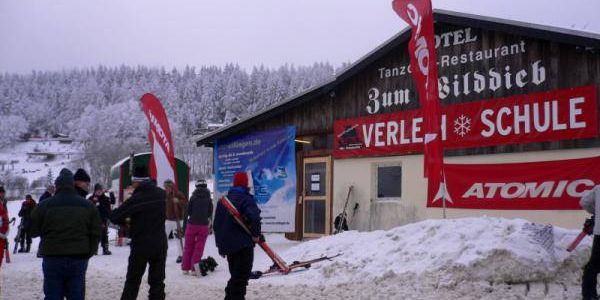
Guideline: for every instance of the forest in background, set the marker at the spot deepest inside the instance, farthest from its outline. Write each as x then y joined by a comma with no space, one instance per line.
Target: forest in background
99,107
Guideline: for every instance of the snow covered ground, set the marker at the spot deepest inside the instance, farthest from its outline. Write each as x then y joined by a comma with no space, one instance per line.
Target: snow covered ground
470,258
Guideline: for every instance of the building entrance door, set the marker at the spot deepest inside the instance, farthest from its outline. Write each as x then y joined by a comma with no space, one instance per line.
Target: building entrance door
316,196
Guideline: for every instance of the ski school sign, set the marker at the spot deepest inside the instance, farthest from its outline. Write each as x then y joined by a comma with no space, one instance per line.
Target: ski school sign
549,185
538,117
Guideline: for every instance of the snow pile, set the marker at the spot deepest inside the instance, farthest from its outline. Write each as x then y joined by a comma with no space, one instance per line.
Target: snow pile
470,249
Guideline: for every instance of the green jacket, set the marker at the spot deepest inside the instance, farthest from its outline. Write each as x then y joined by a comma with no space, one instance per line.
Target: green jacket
68,225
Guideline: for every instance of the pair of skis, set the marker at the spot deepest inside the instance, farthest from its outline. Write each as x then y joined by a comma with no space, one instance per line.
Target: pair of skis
279,265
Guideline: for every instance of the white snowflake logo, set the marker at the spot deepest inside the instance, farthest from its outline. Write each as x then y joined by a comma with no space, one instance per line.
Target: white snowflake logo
462,125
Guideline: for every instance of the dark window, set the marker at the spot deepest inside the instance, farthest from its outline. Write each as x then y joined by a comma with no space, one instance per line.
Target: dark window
389,182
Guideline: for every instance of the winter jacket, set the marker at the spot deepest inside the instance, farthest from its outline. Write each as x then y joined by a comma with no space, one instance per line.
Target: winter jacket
103,204
589,201
45,196
25,212
146,211
3,223
68,224
229,236
176,205
200,208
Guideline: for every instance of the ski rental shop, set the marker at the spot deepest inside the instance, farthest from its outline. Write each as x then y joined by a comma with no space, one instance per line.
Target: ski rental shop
519,106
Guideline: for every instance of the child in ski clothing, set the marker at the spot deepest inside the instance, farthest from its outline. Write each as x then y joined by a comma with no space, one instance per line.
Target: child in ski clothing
25,214
591,203
232,241
3,231
199,211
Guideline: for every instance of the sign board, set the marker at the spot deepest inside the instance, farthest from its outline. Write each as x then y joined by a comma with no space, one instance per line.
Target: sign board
269,156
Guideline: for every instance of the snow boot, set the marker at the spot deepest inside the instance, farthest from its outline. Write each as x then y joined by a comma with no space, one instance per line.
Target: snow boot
105,251
28,249
21,250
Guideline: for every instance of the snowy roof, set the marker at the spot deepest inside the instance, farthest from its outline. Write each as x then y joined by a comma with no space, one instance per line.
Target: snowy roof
562,35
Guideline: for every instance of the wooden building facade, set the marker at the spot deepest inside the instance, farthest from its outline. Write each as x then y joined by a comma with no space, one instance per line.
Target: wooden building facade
479,59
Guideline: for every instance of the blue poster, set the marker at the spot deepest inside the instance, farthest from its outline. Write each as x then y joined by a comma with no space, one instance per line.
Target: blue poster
269,156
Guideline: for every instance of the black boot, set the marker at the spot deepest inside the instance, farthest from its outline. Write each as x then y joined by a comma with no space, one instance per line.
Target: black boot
28,248
105,251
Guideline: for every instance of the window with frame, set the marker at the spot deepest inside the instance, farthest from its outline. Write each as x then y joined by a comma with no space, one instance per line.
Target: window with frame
388,181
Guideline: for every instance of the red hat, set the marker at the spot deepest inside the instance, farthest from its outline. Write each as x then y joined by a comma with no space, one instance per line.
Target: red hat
240,179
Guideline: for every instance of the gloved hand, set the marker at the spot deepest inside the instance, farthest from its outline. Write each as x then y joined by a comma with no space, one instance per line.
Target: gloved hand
588,225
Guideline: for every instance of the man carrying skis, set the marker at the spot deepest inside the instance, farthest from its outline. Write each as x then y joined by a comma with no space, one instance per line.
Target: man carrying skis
591,203
232,241
25,214
146,211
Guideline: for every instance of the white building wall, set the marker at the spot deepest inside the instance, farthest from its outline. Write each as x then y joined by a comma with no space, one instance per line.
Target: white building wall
411,207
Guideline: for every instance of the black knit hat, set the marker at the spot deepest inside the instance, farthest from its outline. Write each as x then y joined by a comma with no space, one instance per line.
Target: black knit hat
140,173
98,186
81,175
65,178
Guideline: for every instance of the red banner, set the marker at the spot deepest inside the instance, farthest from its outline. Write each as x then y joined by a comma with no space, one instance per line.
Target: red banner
162,160
539,117
421,47
548,185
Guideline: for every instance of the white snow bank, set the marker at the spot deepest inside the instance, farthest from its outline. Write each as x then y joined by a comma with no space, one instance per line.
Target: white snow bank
475,249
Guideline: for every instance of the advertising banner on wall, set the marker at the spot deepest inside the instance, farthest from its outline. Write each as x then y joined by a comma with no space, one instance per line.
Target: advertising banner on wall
269,157
537,117
548,185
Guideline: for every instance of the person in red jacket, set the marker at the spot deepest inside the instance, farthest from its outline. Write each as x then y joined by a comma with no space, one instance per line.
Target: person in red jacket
3,231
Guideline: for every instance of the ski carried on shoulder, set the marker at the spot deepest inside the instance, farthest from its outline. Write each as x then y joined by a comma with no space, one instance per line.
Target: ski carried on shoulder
279,265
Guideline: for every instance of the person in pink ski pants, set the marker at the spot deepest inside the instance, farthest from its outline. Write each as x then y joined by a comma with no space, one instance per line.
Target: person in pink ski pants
200,209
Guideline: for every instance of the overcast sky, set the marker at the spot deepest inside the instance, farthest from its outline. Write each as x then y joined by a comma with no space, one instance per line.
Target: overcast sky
65,34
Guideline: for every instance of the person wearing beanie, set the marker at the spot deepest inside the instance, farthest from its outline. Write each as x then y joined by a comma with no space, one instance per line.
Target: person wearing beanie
82,182
232,241
102,203
199,213
146,210
65,246
25,213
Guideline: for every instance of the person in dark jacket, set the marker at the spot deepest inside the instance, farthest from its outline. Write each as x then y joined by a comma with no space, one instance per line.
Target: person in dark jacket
232,241
82,182
199,213
146,211
69,227
25,213
103,204
50,190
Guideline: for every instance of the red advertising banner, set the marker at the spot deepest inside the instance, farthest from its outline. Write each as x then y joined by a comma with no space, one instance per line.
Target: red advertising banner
549,185
162,160
538,117
421,47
